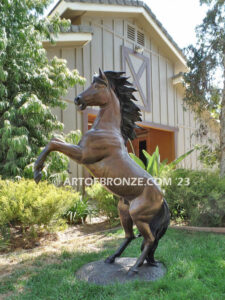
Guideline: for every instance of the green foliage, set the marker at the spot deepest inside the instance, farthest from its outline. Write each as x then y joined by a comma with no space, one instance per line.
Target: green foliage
202,201
206,59
137,160
30,85
78,213
206,62
73,137
4,237
153,166
29,206
209,154
106,202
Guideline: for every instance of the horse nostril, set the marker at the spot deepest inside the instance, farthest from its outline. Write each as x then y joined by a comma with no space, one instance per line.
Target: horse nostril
77,99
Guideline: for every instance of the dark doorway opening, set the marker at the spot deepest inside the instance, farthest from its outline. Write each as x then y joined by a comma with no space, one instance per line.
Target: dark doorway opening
142,146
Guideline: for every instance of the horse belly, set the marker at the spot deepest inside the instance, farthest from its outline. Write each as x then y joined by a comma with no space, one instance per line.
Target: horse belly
123,178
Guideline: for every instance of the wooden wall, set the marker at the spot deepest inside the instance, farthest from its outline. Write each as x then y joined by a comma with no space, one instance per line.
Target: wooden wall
105,51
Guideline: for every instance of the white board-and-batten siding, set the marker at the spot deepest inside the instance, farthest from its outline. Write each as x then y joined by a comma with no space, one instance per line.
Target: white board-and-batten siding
105,51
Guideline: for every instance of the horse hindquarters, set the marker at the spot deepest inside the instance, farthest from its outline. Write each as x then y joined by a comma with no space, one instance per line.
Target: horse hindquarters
158,226
149,206
161,221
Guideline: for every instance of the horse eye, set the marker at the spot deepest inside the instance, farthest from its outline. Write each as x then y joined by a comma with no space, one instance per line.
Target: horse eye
97,86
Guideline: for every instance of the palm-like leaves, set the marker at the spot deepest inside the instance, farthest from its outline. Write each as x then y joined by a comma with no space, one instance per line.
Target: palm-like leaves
154,166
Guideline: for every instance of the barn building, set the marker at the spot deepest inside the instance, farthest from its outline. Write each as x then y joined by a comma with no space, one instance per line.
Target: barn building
124,35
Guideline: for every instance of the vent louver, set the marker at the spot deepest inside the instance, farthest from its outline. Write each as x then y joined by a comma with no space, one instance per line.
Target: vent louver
140,38
135,35
131,33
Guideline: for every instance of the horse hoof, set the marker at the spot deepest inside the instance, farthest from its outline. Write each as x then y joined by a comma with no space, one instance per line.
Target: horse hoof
109,260
153,263
132,272
37,176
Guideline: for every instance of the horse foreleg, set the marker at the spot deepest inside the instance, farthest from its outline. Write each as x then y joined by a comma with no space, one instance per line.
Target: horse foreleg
72,151
127,224
39,164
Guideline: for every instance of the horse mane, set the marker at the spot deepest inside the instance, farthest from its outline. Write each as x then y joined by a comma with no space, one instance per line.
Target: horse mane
130,112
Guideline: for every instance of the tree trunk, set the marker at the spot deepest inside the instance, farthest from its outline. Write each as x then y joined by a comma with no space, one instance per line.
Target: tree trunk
222,126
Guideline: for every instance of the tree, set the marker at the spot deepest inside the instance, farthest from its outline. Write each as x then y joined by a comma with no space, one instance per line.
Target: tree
30,85
206,62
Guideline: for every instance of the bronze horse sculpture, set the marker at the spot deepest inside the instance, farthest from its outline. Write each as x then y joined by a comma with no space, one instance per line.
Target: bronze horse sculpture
102,150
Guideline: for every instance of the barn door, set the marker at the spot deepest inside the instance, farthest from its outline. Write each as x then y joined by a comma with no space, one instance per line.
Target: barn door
137,66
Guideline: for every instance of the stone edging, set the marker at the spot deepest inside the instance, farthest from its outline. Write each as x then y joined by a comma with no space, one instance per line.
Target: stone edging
220,230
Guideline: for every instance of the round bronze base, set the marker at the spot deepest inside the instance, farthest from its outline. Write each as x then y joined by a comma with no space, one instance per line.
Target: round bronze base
101,273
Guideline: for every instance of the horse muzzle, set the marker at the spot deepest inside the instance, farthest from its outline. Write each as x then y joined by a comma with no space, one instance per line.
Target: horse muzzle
80,103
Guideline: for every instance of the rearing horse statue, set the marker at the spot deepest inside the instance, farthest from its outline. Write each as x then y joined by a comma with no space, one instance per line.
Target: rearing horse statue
103,152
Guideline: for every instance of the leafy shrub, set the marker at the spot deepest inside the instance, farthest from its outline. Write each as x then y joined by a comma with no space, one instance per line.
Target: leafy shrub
106,202
209,154
29,206
78,213
202,202
154,166
4,237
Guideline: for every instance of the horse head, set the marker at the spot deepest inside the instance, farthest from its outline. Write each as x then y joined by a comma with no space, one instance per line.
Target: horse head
98,94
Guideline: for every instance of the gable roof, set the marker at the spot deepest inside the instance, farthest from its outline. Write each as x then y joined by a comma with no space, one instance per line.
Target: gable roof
125,5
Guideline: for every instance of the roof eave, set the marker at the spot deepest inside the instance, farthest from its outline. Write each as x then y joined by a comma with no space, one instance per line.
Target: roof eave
144,10
70,39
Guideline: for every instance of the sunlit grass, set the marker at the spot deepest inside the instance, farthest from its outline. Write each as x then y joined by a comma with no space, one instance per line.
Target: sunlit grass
195,263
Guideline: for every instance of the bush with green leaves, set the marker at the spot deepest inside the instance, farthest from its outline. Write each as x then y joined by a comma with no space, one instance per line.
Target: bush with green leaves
78,213
30,85
154,166
28,206
209,154
105,202
201,202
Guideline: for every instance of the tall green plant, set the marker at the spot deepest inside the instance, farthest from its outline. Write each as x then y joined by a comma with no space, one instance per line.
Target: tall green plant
30,85
206,60
154,166
78,213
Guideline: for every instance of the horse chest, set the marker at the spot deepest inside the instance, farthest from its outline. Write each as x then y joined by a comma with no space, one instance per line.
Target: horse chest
97,145
98,141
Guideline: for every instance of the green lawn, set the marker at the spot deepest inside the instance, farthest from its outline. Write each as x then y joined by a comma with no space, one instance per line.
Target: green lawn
195,262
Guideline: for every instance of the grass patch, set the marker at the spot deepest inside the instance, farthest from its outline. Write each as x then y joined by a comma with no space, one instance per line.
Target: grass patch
195,262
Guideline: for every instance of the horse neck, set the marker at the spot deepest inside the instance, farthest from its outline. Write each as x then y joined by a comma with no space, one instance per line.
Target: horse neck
109,116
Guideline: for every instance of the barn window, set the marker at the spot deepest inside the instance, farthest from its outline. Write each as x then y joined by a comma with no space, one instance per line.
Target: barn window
140,38
131,32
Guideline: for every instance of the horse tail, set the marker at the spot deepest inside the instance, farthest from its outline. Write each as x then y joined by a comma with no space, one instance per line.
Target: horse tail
160,221
158,226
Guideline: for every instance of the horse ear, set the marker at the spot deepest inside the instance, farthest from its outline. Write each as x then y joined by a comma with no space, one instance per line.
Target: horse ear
102,75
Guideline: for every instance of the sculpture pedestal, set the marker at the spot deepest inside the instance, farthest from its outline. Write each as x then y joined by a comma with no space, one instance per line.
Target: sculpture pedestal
100,273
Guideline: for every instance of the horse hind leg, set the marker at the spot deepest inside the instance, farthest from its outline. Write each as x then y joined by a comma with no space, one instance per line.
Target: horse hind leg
150,257
127,224
159,226
141,212
148,243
